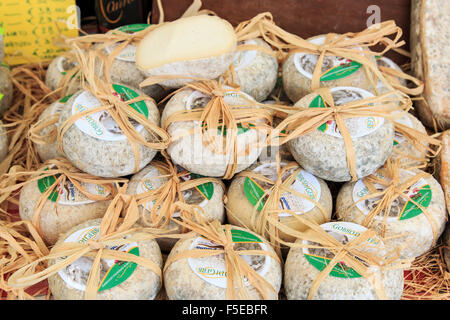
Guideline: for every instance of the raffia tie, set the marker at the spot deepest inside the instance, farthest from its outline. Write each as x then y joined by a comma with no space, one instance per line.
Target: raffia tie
301,121
168,193
236,267
119,110
62,170
261,223
113,229
218,116
393,189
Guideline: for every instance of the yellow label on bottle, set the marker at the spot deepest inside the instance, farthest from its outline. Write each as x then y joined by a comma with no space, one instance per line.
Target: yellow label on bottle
30,27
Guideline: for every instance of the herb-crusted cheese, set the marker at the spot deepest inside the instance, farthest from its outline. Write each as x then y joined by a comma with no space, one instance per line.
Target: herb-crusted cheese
303,265
429,59
205,278
3,142
244,193
96,145
298,68
199,46
119,280
407,226
187,147
208,196
57,69
388,63
256,71
6,89
322,152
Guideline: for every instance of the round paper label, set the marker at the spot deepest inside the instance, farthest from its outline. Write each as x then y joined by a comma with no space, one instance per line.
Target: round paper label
344,232
358,126
101,125
244,58
333,68
305,183
213,269
112,272
402,209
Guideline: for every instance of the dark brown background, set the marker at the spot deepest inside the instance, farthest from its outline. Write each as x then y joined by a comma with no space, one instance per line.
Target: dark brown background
305,18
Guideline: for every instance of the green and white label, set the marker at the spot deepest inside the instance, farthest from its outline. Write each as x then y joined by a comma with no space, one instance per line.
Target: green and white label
101,125
305,183
112,272
333,68
358,126
402,209
213,269
344,232
244,58
128,53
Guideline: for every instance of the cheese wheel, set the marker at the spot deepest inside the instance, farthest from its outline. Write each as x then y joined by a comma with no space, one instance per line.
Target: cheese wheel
403,146
444,173
407,227
205,278
298,68
3,142
429,59
120,280
208,196
187,147
256,71
6,90
96,145
65,208
57,68
198,46
447,244
343,283
242,198
2,48
50,150
388,63
322,151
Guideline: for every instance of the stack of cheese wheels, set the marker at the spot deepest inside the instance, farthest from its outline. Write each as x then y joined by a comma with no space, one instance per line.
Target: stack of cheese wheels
245,193
303,265
198,46
209,196
206,278
322,152
65,207
388,63
407,227
298,69
95,144
256,71
119,280
187,147
6,90
3,142
57,69
123,68
429,59
50,150
404,147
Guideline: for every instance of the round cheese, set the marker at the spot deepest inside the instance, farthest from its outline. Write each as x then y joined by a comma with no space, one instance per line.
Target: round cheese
198,46
119,280
446,241
205,278
256,71
96,145
407,227
388,63
244,193
298,68
208,196
57,68
303,266
187,147
322,151
2,49
6,89
50,150
65,207
3,142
